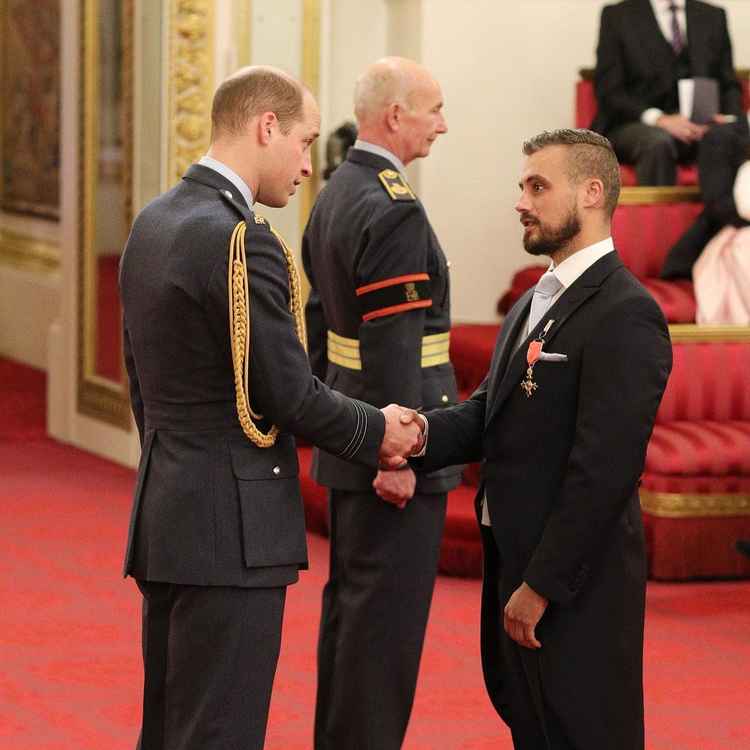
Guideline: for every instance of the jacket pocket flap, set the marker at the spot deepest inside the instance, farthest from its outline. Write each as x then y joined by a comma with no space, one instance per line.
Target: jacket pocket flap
252,463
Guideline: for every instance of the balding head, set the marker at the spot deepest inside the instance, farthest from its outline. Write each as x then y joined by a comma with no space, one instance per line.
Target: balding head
249,93
398,105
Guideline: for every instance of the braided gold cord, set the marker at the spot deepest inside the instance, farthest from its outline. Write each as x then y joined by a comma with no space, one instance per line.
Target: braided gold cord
239,328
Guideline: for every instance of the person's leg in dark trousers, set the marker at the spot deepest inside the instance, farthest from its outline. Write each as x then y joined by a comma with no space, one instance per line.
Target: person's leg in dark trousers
652,151
375,609
210,656
720,153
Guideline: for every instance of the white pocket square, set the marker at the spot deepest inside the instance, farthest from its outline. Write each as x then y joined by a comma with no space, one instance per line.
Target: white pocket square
551,357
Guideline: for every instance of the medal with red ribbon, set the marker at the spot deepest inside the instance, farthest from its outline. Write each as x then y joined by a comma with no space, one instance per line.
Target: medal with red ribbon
533,353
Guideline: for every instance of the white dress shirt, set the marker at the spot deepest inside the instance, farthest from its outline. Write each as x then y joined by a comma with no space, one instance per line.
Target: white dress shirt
664,19
567,272
231,175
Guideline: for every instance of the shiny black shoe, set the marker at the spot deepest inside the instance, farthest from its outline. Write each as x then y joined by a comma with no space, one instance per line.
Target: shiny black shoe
743,546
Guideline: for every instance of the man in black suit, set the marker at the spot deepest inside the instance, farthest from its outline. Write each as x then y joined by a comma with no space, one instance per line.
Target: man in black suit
561,425
219,383
645,47
378,321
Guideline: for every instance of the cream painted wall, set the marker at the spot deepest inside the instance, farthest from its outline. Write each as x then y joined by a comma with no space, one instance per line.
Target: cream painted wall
507,72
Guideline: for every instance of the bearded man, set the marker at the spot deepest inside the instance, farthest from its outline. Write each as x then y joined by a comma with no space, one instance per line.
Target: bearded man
561,424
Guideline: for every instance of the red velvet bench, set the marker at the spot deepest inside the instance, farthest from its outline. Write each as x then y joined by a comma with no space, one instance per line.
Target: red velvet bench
695,492
645,226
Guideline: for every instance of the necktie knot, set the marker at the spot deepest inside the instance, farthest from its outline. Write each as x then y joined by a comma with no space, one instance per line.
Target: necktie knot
546,288
548,285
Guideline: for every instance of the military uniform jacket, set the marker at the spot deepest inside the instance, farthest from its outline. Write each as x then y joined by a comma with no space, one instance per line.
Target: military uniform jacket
379,276
210,507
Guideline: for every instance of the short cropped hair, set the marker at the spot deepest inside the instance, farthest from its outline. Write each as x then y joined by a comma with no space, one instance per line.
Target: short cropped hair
591,155
251,92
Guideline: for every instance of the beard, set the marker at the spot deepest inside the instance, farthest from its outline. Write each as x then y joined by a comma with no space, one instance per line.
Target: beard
550,239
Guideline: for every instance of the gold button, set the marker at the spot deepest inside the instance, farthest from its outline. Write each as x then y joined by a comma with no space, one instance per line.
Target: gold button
444,399
276,470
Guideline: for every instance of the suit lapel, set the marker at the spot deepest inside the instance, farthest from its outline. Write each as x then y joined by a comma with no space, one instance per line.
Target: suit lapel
650,35
504,349
695,36
585,287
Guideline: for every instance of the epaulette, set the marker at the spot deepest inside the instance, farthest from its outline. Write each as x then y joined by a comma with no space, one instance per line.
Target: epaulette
396,186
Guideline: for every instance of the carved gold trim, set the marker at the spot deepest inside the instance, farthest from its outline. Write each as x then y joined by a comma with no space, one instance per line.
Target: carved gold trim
630,196
191,83
310,75
97,397
243,14
694,505
694,334
28,253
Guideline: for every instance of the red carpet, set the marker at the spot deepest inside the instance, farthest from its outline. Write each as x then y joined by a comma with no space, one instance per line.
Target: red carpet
69,629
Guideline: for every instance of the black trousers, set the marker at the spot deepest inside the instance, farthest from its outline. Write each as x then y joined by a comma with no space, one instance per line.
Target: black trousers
721,153
209,656
375,608
653,152
512,673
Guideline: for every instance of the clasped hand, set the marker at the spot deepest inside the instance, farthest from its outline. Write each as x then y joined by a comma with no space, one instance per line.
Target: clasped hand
402,438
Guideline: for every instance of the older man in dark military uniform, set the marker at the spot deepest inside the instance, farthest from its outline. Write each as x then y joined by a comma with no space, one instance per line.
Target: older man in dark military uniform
378,329
213,330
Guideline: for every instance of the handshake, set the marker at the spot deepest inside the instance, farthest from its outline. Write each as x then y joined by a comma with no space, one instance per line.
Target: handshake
404,436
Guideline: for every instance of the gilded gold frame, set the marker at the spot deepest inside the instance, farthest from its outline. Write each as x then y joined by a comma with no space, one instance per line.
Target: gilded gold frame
99,397
191,83
19,250
310,75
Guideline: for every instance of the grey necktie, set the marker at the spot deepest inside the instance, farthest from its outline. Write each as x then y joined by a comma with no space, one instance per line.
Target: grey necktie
547,287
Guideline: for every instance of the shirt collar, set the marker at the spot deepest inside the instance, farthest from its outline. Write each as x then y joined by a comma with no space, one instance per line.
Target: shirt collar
231,175
571,268
373,148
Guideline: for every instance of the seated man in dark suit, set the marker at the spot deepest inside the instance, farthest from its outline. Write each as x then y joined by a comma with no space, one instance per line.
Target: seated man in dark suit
645,47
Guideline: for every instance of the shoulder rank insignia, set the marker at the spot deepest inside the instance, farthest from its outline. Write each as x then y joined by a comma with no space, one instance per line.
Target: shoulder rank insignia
259,219
396,185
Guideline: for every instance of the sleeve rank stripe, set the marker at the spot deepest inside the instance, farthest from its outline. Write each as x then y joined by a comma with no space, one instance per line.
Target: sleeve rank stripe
359,432
393,309
367,288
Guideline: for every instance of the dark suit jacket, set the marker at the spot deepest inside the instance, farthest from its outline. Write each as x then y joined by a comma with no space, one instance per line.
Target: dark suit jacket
635,66
357,236
210,507
561,471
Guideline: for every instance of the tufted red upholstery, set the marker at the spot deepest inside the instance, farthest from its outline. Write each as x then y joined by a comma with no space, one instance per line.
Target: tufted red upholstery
709,381
644,234
700,448
471,347
676,299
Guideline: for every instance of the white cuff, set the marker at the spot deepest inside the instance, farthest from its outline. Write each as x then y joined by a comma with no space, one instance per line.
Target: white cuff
651,115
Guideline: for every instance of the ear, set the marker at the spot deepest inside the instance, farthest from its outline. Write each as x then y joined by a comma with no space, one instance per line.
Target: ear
393,117
592,193
268,126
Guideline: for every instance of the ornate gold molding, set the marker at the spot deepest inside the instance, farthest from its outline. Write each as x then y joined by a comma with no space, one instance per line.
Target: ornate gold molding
191,83
630,196
310,75
694,334
243,14
98,398
694,505
28,253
